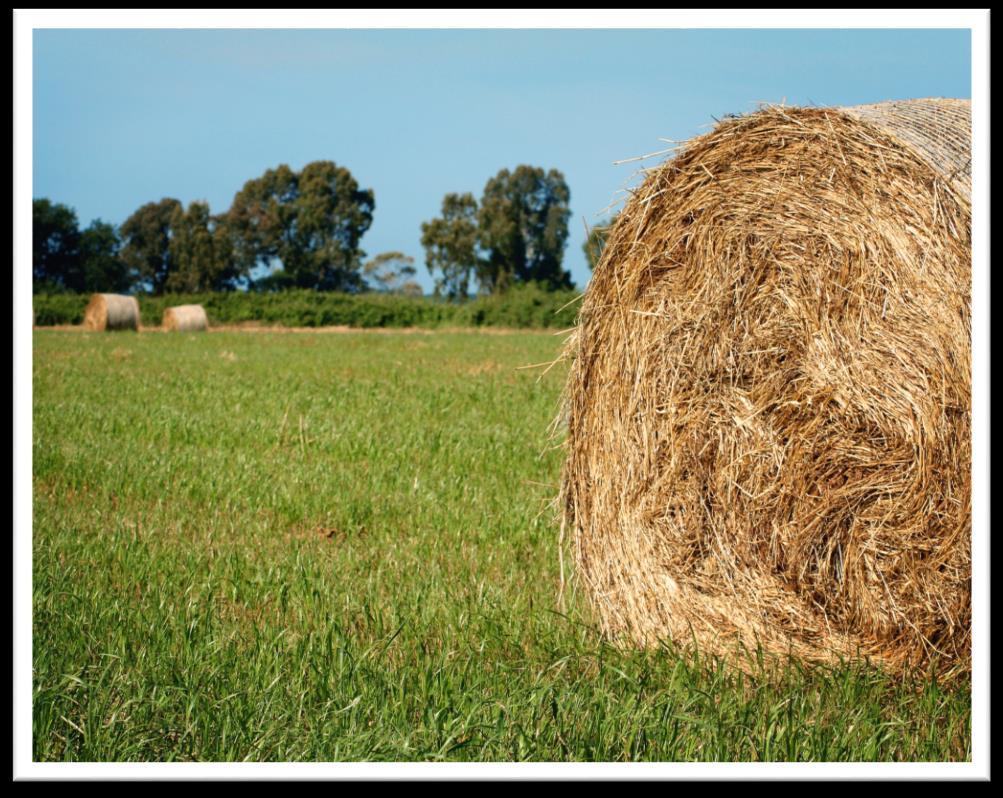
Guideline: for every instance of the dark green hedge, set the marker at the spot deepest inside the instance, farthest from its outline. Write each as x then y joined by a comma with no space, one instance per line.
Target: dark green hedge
524,306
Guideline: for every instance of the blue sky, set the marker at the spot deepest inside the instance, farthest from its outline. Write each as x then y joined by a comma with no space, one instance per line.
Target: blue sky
124,117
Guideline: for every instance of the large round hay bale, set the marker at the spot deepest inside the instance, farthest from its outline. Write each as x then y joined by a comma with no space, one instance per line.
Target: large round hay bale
769,407
186,318
112,312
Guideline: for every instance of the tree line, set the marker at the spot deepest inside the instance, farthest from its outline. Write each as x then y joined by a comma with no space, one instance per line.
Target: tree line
303,229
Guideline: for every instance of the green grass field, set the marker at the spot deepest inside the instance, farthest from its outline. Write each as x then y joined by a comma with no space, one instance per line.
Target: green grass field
253,546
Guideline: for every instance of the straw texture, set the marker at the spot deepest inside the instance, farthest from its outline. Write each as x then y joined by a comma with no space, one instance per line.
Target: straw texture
186,318
111,312
768,410
940,130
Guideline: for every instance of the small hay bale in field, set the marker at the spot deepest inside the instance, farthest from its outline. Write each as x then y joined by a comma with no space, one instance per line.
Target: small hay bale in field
769,407
186,318
112,312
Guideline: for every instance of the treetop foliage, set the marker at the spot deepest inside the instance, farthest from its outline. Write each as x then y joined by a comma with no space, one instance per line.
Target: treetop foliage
515,235
303,229
146,242
311,221
450,243
55,247
523,221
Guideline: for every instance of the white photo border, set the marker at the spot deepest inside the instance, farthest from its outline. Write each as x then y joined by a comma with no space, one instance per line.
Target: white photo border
27,21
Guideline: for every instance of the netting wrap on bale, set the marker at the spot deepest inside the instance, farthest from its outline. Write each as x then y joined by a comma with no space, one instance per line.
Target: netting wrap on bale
769,406
112,312
186,318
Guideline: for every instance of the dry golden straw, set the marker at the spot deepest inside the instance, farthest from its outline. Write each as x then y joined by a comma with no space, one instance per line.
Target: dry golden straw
769,405
186,318
111,312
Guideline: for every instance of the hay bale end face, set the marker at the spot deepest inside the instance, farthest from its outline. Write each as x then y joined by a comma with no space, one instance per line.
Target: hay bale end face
769,405
111,312
186,318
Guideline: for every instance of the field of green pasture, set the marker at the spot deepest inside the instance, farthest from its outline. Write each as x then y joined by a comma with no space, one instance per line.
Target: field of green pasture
265,546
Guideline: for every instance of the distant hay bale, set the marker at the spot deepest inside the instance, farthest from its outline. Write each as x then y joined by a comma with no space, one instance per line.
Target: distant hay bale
186,318
112,312
769,406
